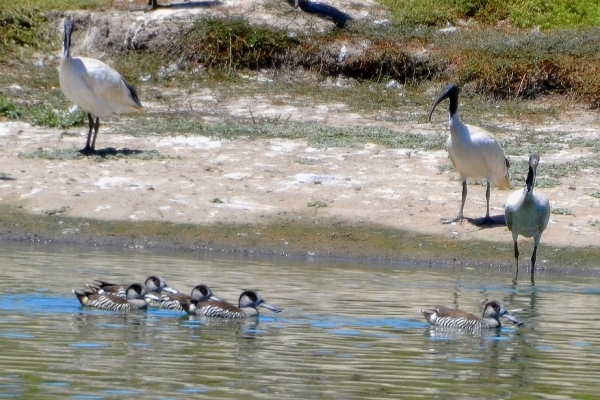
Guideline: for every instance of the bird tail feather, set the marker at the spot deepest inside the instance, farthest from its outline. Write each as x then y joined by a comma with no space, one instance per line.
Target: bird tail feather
503,183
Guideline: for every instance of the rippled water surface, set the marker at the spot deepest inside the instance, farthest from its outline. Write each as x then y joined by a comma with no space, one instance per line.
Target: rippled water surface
347,331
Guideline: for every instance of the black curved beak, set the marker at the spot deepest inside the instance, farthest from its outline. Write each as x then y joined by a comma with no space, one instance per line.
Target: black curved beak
449,91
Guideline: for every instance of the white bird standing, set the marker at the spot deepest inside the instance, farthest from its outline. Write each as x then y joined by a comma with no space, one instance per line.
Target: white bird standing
95,87
527,213
474,153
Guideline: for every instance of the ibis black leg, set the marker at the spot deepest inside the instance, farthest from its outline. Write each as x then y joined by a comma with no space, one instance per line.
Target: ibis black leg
459,217
487,219
87,148
96,127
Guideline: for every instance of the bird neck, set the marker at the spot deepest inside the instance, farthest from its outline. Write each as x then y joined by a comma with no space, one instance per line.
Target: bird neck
530,181
453,97
67,40
458,128
248,311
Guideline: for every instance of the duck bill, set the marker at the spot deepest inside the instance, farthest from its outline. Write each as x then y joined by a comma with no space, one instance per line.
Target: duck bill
170,290
512,319
445,95
215,298
270,307
152,297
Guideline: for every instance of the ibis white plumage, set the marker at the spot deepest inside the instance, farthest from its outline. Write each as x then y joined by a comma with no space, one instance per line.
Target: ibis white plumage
474,152
95,87
527,213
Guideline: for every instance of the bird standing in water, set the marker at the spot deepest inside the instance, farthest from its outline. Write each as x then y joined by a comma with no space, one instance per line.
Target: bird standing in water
474,153
95,87
527,213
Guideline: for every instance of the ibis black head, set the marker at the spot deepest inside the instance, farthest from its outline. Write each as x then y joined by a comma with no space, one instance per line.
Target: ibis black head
449,92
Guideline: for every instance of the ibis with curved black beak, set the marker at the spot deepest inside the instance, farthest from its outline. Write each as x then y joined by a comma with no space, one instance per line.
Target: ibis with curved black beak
474,152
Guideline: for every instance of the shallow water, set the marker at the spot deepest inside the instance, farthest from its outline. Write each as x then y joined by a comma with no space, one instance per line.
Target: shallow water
347,331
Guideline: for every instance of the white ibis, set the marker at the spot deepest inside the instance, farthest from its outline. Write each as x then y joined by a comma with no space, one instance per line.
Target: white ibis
527,213
95,87
474,153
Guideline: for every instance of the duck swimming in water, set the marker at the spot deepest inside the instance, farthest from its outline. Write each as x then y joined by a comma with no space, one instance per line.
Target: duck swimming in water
136,299
452,318
247,307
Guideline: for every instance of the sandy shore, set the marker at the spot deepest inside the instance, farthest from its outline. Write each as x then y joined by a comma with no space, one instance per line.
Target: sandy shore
273,196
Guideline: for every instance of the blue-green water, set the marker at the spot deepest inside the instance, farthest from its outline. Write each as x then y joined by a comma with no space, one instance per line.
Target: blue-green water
347,331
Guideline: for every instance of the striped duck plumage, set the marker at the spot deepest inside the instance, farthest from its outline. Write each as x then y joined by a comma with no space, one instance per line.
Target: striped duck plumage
153,284
174,301
136,298
247,307
449,318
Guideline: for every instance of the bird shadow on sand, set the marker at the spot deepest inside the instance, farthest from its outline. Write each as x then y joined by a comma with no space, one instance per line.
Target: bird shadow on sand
111,152
323,10
495,220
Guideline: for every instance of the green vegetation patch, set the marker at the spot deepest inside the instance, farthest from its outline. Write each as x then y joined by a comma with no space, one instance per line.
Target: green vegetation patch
9,109
562,211
317,204
109,153
233,44
26,24
512,65
22,26
505,64
54,154
58,211
44,115
307,161
319,135
549,174
520,13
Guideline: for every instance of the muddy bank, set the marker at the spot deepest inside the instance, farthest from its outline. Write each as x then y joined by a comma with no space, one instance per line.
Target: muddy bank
288,238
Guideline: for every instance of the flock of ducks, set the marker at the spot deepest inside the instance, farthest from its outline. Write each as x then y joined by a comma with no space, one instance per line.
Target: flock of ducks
156,293
202,302
101,91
